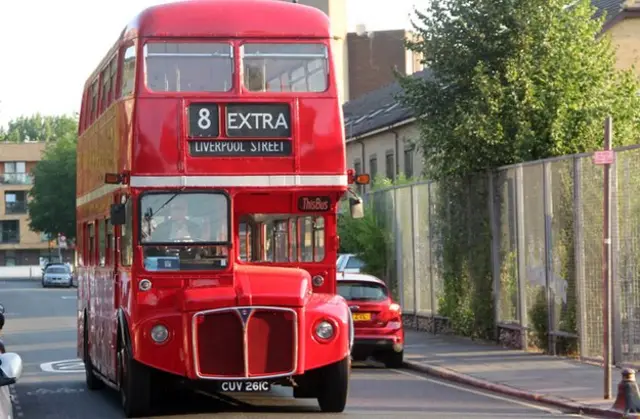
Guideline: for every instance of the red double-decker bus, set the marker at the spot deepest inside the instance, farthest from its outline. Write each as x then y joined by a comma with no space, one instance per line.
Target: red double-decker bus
211,161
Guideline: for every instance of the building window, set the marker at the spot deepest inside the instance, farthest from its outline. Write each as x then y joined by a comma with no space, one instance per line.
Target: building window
357,166
10,231
15,202
15,173
408,161
389,165
373,166
10,258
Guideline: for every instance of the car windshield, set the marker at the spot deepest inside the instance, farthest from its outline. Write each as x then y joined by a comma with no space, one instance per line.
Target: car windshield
362,291
354,263
184,231
57,270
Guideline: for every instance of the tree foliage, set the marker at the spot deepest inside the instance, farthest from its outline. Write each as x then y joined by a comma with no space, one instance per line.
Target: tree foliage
39,128
508,81
514,81
52,208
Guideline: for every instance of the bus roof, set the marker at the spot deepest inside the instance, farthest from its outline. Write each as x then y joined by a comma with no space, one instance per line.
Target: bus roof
224,19
232,18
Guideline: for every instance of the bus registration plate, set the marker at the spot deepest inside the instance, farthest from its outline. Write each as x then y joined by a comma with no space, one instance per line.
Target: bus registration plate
245,386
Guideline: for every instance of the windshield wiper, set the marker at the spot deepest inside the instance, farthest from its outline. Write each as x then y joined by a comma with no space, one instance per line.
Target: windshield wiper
149,214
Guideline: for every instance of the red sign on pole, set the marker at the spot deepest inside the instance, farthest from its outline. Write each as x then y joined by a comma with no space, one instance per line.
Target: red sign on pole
604,157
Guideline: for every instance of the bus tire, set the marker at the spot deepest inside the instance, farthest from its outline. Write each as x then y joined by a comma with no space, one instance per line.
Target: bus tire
134,384
93,381
334,386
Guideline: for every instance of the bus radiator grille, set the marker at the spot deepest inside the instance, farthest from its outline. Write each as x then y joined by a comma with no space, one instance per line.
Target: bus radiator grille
246,342
272,342
220,345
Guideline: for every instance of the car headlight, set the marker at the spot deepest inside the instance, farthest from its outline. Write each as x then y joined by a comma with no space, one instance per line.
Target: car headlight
324,330
159,333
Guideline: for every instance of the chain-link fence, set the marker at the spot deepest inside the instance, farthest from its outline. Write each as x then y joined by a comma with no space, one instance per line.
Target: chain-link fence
529,236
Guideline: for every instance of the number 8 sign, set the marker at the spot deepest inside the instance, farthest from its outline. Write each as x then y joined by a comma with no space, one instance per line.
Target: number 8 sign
203,120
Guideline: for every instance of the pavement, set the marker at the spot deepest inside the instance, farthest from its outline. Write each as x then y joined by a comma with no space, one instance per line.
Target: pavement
41,327
561,382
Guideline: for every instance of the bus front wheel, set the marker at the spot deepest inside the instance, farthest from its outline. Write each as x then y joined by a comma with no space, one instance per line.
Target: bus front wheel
334,386
134,383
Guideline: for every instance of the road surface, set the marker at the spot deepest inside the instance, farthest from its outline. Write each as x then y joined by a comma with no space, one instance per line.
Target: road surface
41,325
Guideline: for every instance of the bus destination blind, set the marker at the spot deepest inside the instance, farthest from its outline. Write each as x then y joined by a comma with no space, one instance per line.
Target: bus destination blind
257,129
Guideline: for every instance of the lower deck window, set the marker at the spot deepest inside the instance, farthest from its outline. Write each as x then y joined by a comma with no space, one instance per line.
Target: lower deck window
279,238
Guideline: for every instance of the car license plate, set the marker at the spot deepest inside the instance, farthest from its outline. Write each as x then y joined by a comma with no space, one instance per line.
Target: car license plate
245,386
361,317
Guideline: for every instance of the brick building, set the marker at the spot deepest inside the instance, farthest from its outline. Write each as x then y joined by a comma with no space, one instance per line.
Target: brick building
19,246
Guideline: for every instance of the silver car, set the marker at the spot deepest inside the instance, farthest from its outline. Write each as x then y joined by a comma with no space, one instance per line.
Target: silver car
57,275
349,263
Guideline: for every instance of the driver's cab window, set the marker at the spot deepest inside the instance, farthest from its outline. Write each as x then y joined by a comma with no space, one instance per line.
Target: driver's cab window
184,230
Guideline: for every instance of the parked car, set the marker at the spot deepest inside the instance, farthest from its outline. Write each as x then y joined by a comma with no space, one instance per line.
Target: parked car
348,262
377,319
57,275
44,268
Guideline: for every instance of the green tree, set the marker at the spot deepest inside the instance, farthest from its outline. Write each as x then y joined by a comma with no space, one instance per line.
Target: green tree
513,81
52,208
509,81
39,128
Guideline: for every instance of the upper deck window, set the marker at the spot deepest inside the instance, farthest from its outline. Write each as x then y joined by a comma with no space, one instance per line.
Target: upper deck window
128,71
285,67
188,66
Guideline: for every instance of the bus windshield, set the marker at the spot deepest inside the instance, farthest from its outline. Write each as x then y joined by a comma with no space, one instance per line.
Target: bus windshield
188,66
184,231
281,238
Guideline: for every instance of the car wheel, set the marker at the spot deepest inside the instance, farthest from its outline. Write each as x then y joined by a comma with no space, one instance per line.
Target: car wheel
334,386
394,359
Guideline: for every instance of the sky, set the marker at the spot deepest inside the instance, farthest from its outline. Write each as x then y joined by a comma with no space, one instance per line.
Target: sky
51,47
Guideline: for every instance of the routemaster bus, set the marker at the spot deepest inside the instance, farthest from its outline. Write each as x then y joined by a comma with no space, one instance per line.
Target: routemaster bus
211,163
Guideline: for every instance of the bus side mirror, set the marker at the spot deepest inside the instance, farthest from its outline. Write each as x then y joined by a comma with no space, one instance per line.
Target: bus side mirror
356,207
118,214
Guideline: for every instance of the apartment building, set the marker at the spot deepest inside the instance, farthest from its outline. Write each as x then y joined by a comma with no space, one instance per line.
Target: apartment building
18,244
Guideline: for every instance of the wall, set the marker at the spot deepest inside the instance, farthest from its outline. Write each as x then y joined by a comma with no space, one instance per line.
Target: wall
625,36
372,59
21,152
379,144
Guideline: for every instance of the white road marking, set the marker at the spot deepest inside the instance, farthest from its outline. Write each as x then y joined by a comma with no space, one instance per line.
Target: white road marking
65,366
480,393
69,297
61,390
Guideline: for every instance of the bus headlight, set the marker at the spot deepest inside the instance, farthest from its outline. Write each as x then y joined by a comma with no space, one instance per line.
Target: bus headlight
159,333
317,281
324,330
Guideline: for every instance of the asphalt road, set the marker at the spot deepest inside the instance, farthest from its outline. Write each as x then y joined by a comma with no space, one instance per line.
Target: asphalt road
41,325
